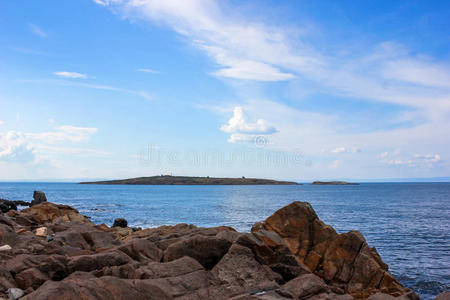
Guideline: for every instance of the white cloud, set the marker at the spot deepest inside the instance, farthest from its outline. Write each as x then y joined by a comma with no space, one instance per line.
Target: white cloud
242,50
253,70
246,49
346,150
336,164
66,74
66,133
397,158
35,148
384,154
240,124
14,147
142,94
418,71
149,71
37,30
1,122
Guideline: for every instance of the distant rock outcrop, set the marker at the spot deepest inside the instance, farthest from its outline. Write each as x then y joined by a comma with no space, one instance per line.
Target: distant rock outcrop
291,255
38,197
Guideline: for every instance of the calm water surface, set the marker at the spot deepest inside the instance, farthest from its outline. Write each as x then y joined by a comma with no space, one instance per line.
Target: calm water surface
408,223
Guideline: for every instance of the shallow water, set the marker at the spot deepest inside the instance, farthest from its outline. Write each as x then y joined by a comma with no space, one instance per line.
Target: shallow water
408,223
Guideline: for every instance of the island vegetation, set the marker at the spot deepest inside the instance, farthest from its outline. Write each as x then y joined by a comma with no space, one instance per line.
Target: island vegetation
188,180
333,183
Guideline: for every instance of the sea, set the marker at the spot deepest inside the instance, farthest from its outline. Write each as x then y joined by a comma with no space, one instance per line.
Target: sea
408,223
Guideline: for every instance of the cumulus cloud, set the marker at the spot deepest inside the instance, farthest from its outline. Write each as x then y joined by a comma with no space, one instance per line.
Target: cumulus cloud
239,123
37,30
346,150
243,130
74,75
14,147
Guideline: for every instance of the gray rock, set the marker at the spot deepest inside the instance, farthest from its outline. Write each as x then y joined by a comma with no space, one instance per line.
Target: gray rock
38,197
15,293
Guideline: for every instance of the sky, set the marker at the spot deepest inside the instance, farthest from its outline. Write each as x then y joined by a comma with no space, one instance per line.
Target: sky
294,90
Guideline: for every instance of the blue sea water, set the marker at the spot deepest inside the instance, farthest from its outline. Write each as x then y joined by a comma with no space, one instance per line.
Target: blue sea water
408,223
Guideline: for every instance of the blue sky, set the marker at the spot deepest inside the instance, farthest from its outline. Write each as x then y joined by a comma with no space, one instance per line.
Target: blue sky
278,89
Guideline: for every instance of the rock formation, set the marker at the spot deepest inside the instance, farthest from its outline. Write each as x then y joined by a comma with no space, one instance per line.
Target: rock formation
56,253
38,197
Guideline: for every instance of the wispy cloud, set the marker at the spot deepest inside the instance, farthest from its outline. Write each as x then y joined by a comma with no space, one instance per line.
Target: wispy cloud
142,94
65,133
345,150
149,71
74,75
249,50
37,30
397,158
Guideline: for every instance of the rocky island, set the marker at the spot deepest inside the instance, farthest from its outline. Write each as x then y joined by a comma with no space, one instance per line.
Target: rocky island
333,183
188,180
50,251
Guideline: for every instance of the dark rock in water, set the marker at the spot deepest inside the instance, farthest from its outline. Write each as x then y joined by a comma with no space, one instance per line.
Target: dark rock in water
38,197
120,222
6,205
291,255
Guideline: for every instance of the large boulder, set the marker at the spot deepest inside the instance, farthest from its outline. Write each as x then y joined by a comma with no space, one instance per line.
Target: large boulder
344,260
206,250
85,286
47,212
38,197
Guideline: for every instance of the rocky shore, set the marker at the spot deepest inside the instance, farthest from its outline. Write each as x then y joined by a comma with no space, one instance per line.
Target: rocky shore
50,251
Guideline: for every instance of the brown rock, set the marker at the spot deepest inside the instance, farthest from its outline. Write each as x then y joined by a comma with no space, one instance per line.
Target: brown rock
206,250
31,278
87,263
238,272
343,259
104,288
47,212
305,286
443,296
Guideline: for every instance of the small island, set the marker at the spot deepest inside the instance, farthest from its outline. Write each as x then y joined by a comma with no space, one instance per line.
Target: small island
333,183
188,180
